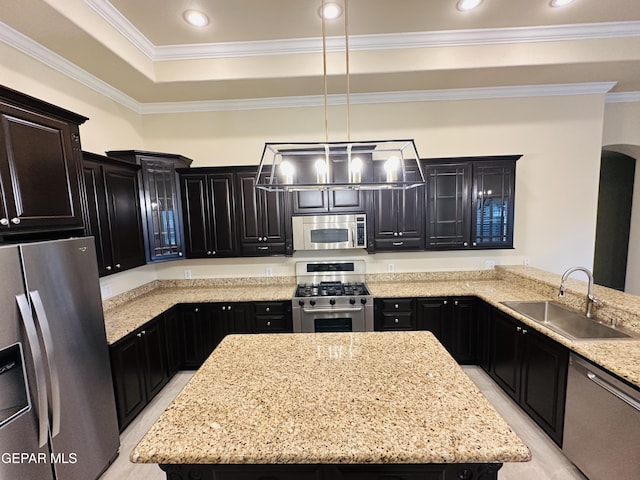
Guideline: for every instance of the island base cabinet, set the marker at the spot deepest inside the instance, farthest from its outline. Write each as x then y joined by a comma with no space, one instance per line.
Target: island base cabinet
457,471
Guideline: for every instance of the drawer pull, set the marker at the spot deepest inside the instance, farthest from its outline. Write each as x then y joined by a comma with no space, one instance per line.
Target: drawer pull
15,221
398,244
268,324
4,221
395,320
267,309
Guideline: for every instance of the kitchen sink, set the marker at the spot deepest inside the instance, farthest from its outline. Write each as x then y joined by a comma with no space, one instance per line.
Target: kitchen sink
568,322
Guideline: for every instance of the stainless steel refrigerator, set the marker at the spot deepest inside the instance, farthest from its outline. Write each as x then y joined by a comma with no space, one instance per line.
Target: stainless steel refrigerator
57,407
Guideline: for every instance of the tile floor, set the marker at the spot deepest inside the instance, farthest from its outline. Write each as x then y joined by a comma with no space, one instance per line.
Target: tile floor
548,462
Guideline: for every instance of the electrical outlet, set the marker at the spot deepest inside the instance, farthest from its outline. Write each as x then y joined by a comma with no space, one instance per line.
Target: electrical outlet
390,267
526,262
269,272
105,290
187,274
489,264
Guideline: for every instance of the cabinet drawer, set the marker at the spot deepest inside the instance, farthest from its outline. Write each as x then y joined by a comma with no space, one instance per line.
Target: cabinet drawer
256,249
272,323
399,243
396,304
398,321
270,308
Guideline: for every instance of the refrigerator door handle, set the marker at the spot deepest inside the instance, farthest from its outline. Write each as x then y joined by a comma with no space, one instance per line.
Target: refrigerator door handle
41,317
38,366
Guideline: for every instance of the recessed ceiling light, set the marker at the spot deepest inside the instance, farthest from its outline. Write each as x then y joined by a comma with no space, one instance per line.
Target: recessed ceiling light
195,18
464,5
560,3
331,11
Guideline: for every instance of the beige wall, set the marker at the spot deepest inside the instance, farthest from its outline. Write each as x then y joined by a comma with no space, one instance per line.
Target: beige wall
621,130
557,179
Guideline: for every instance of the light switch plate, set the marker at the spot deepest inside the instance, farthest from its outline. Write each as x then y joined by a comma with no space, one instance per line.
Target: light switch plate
105,290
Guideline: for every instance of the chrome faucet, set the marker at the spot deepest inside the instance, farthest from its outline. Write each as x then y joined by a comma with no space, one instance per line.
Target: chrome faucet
591,299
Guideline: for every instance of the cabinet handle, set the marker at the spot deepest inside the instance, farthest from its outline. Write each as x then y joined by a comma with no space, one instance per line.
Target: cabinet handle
15,220
267,309
117,265
524,331
444,303
139,335
395,234
229,308
196,310
398,244
518,329
400,233
475,244
395,320
213,252
465,244
455,302
108,267
268,324
396,306
224,308
4,221
179,254
263,248
208,252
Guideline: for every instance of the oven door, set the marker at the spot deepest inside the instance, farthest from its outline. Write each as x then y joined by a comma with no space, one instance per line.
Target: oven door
316,320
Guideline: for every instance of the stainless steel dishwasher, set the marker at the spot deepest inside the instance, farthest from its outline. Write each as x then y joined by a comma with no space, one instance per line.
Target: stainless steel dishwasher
602,423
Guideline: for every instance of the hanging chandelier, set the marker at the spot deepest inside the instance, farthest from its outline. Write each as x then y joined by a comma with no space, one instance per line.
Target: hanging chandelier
361,165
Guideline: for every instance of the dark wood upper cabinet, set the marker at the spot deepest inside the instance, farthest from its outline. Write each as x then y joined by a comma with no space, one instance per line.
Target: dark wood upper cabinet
112,212
261,217
399,216
208,212
40,172
160,201
470,202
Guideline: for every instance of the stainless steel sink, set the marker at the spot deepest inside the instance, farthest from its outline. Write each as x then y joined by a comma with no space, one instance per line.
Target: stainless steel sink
567,321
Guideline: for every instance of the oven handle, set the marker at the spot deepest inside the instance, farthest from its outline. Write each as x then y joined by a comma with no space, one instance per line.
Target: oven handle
332,310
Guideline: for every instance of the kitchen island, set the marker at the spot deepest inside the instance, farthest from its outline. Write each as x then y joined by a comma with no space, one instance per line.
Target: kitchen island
332,405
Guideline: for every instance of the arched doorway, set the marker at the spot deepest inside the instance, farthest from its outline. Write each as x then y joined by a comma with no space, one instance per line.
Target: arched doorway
615,246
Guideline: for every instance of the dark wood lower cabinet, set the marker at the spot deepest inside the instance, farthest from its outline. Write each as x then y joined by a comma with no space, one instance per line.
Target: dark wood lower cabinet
139,369
532,369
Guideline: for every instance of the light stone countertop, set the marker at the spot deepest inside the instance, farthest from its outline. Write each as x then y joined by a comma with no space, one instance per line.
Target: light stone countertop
327,398
621,357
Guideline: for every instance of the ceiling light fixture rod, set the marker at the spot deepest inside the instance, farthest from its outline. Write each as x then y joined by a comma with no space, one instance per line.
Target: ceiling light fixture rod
346,55
324,67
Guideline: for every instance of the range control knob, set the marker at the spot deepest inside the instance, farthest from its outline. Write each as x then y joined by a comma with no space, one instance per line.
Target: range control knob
332,301
363,300
301,303
352,301
312,302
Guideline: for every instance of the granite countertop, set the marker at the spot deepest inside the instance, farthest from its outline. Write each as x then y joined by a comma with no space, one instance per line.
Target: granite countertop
621,357
327,398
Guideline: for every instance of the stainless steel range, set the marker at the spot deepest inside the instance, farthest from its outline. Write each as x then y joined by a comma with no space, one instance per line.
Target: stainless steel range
332,297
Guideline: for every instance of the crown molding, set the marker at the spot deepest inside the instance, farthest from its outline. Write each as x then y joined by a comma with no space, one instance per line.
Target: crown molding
51,59
29,47
623,97
444,38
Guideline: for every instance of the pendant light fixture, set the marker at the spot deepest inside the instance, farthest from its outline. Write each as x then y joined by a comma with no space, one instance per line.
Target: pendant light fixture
331,165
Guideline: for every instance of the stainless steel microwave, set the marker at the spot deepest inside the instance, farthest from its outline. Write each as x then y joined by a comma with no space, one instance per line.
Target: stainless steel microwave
328,232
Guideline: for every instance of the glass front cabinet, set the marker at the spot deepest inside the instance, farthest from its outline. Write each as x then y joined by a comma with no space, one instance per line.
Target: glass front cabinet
160,200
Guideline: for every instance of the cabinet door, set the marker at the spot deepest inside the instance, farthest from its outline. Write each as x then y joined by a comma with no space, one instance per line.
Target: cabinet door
493,204
464,331
506,355
96,214
544,381
154,348
127,368
221,211
192,336
484,328
39,171
448,203
195,212
163,216
237,317
433,314
344,201
172,341
123,211
411,220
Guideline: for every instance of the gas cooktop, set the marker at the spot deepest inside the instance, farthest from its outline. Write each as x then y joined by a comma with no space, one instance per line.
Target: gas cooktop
333,289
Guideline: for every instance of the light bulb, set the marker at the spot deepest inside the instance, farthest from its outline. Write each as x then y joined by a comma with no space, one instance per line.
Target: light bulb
464,5
321,171
391,167
287,169
560,3
331,11
355,170
195,18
